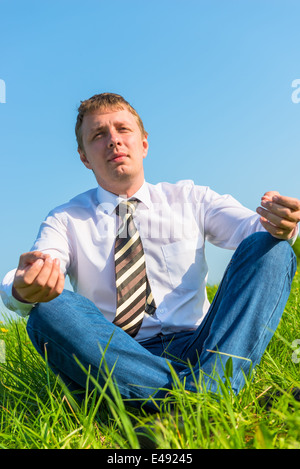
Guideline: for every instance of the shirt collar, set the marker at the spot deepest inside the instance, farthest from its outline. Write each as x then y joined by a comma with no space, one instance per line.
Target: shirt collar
108,201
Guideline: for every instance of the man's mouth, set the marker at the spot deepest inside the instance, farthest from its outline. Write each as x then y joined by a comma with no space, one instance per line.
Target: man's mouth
118,157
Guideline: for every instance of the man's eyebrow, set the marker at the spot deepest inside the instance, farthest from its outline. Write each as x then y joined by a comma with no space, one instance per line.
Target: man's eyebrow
96,128
103,127
122,123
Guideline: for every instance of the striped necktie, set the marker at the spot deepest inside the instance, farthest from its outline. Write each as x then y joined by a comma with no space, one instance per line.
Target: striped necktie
134,296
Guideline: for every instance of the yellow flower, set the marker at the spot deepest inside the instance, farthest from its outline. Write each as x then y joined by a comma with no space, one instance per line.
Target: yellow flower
2,329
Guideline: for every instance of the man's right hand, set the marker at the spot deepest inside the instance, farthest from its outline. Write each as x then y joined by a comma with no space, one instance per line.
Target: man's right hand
38,278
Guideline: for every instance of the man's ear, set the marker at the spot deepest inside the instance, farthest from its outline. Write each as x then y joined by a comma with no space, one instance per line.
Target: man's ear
84,158
145,145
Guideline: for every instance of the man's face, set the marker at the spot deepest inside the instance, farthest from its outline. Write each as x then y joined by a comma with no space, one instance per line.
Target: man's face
114,149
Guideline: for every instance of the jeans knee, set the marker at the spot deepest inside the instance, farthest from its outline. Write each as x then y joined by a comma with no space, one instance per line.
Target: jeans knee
68,315
41,313
268,250
38,324
35,327
45,317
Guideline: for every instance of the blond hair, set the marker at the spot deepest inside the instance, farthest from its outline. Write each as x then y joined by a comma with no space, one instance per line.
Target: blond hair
103,101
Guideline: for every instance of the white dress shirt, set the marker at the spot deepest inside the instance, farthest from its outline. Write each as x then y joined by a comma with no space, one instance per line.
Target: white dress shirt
174,221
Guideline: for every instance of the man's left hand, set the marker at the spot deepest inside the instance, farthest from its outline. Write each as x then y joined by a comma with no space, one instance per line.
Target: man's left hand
279,214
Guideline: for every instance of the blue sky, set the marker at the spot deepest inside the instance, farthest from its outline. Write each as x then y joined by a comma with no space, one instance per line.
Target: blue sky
211,79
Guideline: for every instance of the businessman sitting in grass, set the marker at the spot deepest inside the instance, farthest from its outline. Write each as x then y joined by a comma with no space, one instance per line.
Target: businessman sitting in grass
134,253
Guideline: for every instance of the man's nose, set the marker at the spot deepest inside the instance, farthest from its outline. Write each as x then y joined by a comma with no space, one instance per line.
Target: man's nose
113,140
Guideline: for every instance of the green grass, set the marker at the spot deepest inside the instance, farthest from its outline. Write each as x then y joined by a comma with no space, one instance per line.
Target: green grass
36,411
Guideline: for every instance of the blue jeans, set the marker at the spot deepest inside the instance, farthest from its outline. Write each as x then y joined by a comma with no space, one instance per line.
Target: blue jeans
242,318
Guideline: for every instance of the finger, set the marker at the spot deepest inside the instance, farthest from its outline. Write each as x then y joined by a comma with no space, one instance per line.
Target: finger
289,202
42,278
37,280
26,276
54,286
274,230
281,211
276,220
52,279
29,281
43,290
38,273
30,264
60,283
30,257
270,194
58,289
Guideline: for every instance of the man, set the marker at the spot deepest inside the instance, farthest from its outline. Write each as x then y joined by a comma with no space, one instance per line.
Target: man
139,273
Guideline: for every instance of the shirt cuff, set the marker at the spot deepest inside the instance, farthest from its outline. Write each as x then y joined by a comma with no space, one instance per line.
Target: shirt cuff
293,239
9,301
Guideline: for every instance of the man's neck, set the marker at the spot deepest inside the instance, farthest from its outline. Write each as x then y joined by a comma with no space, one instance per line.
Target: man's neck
123,190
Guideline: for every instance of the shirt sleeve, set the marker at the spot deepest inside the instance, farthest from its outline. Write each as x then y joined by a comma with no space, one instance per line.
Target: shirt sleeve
52,239
22,309
226,222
